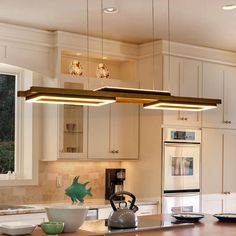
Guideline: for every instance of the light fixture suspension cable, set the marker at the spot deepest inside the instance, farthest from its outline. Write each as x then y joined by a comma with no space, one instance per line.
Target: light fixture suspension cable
153,45
87,41
102,27
168,22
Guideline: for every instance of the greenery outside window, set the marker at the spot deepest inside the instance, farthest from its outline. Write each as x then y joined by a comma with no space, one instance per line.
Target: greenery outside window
20,128
7,123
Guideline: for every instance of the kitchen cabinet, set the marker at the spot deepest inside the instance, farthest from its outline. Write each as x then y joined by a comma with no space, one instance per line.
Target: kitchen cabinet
65,126
147,209
113,130
183,78
219,82
73,125
32,218
218,166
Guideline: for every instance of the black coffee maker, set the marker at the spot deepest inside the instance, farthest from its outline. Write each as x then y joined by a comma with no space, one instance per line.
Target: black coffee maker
114,183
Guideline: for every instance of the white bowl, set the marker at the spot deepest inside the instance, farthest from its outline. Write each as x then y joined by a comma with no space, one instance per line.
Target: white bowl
73,216
16,228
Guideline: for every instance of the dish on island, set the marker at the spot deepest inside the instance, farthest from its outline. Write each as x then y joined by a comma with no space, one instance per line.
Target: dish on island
16,228
226,217
188,217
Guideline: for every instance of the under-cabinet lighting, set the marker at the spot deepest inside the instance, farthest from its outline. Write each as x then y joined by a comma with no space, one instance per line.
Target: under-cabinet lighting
229,7
171,105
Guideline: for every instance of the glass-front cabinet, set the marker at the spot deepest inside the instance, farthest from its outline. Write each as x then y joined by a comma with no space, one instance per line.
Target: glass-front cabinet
73,127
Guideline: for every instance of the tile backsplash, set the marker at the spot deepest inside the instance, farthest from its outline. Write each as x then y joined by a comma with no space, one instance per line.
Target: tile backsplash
47,191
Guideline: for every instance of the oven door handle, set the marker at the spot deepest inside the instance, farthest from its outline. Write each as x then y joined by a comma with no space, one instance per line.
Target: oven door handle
181,145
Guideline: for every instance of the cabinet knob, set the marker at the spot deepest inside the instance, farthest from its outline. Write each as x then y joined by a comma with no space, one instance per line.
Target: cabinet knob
185,118
224,192
112,151
229,121
117,151
181,118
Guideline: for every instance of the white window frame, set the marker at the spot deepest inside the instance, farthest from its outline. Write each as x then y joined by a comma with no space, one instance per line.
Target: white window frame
27,145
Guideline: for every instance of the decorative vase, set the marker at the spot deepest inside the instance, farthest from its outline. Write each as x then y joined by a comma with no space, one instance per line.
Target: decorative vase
75,68
102,71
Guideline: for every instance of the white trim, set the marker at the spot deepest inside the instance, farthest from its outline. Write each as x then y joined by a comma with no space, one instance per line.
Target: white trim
26,167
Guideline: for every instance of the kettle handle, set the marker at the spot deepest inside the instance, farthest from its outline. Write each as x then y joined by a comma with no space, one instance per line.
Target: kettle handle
122,193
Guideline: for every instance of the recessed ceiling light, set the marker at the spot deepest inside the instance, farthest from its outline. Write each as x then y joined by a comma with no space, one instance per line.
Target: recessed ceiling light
229,7
110,10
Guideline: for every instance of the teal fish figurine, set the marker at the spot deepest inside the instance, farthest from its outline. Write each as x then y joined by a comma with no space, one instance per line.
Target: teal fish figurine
77,191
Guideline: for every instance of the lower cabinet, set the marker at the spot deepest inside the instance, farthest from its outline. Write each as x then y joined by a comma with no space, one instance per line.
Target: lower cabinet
103,213
33,218
218,161
219,203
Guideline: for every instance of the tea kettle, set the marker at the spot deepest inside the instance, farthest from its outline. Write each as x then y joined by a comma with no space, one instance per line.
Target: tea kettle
123,217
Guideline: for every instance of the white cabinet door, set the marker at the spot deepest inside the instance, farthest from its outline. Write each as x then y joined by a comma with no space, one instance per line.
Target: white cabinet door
229,161
212,204
34,218
219,82
229,203
190,86
183,79
113,130
99,132
103,213
124,130
212,150
144,210
218,161
213,84
230,97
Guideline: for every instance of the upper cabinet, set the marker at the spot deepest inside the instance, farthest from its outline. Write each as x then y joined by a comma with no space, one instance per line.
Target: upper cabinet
219,82
113,129
182,77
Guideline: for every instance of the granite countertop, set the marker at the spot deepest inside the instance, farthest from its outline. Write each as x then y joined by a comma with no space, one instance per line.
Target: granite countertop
91,204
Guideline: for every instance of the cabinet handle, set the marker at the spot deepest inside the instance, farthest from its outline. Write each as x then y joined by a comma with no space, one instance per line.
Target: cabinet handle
225,122
117,151
229,121
112,151
225,192
181,118
228,192
185,118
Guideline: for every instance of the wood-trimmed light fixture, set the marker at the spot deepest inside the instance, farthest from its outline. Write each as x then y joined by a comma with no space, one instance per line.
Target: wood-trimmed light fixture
153,99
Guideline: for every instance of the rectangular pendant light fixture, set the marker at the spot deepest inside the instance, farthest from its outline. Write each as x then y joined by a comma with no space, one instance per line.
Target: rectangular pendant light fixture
151,99
65,96
194,105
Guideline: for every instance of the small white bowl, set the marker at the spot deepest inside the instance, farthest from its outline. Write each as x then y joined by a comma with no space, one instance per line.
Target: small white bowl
16,228
73,216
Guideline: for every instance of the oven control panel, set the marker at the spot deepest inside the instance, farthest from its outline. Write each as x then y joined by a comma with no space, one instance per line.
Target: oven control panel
179,135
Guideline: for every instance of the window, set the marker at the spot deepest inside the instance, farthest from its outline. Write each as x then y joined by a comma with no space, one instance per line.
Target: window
7,123
19,121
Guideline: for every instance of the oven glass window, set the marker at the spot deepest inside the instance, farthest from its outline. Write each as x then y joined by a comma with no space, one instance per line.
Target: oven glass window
182,135
182,166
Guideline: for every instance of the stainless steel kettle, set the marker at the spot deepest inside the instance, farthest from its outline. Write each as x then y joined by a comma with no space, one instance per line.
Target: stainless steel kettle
123,217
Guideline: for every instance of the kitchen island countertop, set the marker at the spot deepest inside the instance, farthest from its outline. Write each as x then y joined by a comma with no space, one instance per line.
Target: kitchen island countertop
207,226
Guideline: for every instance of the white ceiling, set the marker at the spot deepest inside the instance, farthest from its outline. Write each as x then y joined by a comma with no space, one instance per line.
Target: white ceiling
199,22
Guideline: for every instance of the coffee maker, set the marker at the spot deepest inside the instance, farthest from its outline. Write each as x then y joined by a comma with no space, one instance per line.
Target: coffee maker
114,182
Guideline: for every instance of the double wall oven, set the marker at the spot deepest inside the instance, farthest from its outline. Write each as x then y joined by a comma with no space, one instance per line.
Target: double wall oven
181,170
